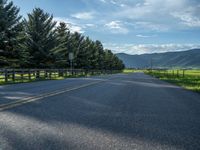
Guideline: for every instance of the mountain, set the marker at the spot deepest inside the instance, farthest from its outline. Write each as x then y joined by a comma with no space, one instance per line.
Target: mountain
183,59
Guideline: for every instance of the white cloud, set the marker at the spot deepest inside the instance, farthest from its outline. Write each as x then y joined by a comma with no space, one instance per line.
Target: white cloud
83,15
145,36
103,1
148,48
113,2
153,15
150,26
119,3
113,25
71,25
187,19
90,25
158,13
116,27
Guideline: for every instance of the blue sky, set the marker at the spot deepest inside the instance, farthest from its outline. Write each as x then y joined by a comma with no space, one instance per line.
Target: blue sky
129,26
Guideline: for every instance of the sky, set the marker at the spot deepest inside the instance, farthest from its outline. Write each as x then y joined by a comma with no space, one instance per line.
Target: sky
128,26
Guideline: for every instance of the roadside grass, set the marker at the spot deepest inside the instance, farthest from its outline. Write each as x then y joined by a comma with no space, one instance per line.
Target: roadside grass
127,71
188,79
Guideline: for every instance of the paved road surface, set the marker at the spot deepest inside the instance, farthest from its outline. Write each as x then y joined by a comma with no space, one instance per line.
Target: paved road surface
118,112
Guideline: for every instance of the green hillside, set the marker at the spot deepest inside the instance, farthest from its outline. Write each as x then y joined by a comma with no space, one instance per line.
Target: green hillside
183,59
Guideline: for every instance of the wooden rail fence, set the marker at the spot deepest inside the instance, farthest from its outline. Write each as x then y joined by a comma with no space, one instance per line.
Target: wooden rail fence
183,74
12,75
173,73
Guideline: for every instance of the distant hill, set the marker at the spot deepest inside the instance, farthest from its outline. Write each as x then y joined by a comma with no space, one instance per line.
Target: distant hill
183,59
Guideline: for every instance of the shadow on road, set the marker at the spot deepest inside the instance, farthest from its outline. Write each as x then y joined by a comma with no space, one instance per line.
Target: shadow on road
149,116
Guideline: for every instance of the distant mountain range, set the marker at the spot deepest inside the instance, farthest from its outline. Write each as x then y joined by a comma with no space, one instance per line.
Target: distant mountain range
183,59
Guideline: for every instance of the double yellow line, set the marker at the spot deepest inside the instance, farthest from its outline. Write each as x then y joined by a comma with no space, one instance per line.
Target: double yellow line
42,96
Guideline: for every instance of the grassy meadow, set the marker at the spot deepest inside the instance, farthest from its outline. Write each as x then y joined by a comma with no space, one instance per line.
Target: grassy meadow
127,71
189,79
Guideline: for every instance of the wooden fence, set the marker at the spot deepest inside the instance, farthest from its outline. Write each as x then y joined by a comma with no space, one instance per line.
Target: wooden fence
182,73
173,73
20,75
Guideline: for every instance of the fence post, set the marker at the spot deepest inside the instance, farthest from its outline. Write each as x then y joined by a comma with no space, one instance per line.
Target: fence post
6,75
60,72
34,73
37,74
29,74
183,73
22,75
86,72
177,73
65,73
45,74
75,72
49,74
83,72
13,75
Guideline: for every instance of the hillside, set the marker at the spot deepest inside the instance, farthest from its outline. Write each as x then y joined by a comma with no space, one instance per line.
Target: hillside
183,59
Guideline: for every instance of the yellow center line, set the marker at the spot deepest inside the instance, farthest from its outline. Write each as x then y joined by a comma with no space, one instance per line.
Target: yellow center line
42,96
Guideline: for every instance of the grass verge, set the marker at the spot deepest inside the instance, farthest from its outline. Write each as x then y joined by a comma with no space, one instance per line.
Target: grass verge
188,79
127,71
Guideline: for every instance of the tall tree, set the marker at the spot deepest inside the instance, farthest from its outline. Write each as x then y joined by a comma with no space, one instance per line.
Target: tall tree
83,57
9,21
101,54
76,45
112,62
63,46
40,39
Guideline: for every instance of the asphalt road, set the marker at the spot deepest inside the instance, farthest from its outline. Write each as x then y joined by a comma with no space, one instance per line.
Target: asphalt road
118,112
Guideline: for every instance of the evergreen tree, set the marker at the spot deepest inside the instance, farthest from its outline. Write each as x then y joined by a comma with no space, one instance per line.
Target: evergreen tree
63,46
9,21
23,55
101,53
76,45
84,54
37,43
40,39
112,62
93,56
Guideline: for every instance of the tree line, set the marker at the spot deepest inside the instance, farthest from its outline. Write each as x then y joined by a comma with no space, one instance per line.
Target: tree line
38,42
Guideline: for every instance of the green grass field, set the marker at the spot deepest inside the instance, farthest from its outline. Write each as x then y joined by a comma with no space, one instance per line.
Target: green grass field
189,79
126,71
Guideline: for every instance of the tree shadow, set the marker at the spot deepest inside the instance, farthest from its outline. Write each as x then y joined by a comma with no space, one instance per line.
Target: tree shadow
160,122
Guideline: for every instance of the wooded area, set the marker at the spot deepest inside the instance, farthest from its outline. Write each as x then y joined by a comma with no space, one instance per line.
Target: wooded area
37,41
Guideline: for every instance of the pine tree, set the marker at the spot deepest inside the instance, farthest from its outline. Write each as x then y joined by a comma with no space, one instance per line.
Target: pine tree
101,53
84,54
40,39
76,45
37,43
23,55
63,46
9,21
112,62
